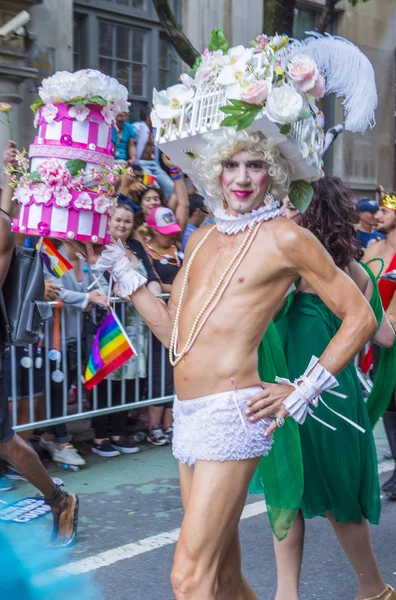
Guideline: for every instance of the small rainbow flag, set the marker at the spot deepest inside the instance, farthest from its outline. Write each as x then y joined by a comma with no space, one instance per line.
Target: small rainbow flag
110,350
149,179
56,264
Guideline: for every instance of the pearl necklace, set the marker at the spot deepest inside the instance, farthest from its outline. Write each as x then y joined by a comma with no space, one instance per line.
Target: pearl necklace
211,303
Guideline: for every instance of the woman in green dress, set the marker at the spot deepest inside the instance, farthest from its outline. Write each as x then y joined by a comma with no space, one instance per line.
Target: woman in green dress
340,467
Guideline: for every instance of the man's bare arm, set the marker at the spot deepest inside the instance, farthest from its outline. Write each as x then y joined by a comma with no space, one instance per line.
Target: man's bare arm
340,294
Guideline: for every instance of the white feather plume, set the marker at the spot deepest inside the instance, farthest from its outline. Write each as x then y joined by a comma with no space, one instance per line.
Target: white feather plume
347,72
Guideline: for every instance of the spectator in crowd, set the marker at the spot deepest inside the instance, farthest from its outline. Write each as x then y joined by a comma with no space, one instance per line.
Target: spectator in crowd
147,154
196,216
160,233
121,228
153,196
123,139
13,449
365,230
72,291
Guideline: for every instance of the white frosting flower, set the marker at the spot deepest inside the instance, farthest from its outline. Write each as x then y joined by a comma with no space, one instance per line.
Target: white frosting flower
235,75
42,194
168,103
284,104
87,83
49,112
62,196
101,204
83,200
79,112
109,115
22,194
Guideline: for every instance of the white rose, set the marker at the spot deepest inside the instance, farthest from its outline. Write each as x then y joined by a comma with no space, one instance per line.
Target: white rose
284,104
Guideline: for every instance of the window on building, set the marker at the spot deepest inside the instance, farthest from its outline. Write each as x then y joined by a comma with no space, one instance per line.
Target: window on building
79,38
305,19
122,54
164,61
139,4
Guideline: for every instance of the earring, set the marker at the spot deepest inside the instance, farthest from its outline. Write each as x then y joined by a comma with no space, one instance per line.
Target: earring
225,204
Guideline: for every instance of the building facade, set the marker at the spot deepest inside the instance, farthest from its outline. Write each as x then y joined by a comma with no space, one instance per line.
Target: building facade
125,39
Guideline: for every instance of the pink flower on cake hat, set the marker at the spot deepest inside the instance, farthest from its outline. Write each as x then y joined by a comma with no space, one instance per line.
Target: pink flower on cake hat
54,174
42,194
62,196
79,112
101,204
84,201
111,179
22,194
49,112
304,73
256,92
108,114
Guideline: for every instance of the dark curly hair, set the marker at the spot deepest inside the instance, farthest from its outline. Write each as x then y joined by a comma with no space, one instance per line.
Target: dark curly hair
330,217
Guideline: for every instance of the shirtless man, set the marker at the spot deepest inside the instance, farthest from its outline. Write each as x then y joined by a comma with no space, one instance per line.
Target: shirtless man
217,444
386,250
13,449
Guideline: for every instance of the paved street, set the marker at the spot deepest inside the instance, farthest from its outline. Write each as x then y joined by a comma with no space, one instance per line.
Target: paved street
130,513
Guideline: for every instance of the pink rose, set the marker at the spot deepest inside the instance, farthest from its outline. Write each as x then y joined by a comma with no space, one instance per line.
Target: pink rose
255,93
304,73
54,174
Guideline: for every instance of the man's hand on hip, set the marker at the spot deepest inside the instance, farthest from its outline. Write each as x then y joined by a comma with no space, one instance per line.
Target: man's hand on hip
269,403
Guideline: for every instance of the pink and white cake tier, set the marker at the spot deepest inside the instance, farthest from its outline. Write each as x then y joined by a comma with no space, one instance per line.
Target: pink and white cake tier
67,191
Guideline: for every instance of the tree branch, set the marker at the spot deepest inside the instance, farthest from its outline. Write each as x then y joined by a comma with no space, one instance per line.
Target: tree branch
178,39
327,16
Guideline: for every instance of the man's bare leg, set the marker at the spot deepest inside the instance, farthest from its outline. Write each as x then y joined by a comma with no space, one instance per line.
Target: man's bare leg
23,458
289,555
215,496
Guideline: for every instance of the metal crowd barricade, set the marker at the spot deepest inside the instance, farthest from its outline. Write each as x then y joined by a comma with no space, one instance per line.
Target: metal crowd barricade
83,396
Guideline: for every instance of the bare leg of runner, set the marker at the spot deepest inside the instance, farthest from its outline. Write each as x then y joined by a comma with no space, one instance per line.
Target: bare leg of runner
22,456
215,493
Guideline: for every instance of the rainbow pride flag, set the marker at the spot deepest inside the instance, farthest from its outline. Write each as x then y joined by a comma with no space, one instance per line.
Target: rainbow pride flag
149,179
56,264
110,350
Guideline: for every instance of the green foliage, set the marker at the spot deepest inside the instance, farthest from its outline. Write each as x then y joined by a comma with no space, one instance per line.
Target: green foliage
36,105
75,166
196,65
218,41
355,2
35,176
240,114
285,128
95,100
300,194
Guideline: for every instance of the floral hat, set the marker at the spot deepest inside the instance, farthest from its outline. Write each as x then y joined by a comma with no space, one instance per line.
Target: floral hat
273,87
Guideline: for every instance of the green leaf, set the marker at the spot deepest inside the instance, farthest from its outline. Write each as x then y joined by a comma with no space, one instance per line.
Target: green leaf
196,65
192,155
36,105
75,166
95,100
77,100
218,41
229,121
231,110
244,105
35,176
304,115
285,128
300,194
247,119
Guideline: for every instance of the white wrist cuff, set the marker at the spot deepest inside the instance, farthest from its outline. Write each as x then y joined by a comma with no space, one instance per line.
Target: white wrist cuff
115,260
308,389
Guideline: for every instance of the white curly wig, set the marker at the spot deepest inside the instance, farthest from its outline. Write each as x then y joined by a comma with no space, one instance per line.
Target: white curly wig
223,145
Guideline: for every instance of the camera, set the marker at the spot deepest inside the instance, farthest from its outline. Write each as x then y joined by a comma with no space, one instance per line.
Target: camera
15,25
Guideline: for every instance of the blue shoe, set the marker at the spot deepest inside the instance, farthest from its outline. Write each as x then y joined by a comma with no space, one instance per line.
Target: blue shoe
6,484
14,475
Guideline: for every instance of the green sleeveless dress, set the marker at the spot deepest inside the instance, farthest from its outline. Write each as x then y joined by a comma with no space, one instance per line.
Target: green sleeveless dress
340,467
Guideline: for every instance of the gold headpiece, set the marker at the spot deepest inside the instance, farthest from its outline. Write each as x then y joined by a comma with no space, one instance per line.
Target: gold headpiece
389,201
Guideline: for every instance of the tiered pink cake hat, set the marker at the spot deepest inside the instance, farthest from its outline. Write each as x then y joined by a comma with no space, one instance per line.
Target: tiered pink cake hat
67,190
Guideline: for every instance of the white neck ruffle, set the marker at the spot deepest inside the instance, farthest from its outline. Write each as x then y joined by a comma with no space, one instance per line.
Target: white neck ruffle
231,224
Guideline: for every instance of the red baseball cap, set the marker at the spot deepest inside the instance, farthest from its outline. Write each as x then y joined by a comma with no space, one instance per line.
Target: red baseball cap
163,220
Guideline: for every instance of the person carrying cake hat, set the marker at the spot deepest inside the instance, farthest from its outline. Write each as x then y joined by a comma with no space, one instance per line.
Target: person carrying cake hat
244,130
